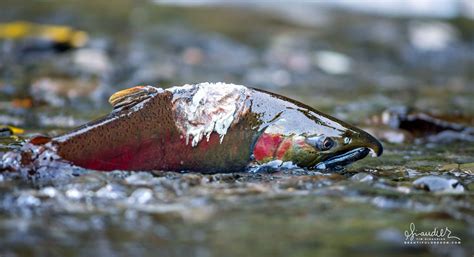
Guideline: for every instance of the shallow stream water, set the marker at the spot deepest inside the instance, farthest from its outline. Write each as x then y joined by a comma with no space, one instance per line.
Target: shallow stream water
350,65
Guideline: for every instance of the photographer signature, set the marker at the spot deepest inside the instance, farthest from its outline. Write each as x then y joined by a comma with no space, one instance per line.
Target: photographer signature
413,234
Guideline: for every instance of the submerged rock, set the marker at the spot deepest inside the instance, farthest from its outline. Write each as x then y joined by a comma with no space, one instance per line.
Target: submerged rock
433,36
362,177
333,62
57,91
438,184
404,125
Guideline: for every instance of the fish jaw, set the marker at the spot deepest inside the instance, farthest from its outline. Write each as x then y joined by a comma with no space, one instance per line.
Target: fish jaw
343,159
358,147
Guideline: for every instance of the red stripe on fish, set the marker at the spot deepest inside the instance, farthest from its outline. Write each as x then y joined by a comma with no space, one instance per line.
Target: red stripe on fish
266,146
283,148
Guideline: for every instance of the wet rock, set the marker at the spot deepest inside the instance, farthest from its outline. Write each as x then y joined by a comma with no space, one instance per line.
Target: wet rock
225,178
431,36
140,179
92,61
438,184
272,166
333,62
74,194
192,179
450,136
403,189
141,196
406,118
56,91
26,199
362,177
50,192
111,191
413,173
406,123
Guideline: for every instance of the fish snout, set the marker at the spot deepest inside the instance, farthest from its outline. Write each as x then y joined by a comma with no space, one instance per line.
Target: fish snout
370,142
357,148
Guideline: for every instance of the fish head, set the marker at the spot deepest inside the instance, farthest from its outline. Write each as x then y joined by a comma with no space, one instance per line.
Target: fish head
328,144
332,152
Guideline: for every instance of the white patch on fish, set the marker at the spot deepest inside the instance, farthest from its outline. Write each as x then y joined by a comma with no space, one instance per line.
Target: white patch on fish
204,108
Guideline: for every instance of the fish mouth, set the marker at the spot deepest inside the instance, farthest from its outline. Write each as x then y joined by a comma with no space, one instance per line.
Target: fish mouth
338,161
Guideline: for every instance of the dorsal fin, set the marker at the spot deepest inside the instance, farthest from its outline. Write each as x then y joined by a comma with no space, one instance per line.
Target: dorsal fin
132,96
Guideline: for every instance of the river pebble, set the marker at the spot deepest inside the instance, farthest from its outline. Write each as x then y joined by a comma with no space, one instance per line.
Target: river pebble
438,184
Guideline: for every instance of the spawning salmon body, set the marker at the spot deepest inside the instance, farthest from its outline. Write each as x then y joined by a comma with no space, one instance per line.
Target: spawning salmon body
208,127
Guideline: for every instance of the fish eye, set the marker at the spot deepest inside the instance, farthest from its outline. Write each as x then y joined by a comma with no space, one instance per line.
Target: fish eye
322,143
327,144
